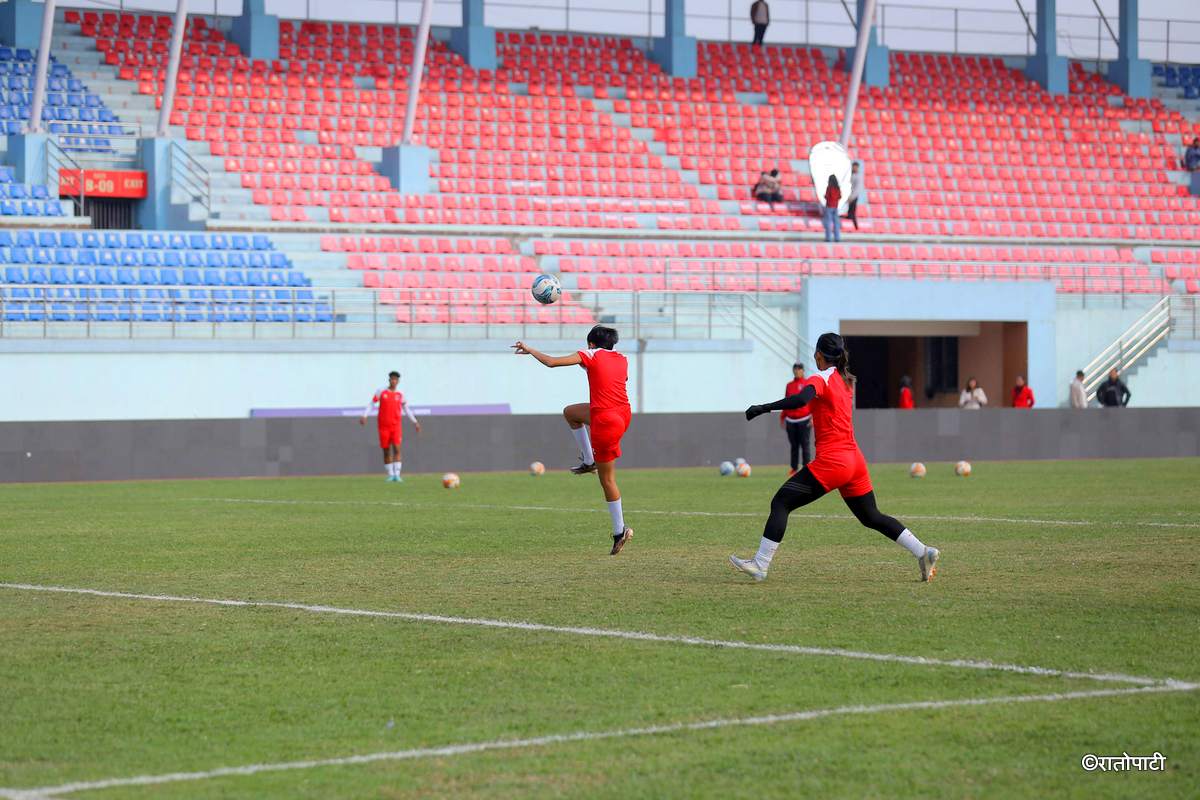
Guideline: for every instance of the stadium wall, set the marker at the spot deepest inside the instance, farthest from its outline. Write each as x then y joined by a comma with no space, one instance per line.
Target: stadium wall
74,451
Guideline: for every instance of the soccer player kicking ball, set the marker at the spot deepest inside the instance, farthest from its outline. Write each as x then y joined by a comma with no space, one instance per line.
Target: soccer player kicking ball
839,464
391,431
599,424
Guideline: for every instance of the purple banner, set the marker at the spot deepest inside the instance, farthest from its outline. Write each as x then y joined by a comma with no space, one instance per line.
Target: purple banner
356,411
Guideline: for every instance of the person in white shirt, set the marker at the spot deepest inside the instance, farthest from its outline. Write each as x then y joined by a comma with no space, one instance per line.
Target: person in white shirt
972,396
857,190
1078,394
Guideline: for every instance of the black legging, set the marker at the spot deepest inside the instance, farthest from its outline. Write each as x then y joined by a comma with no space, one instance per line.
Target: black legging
802,488
799,440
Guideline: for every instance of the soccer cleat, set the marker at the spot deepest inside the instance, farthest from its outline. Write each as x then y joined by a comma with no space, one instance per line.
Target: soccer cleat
749,566
583,469
928,563
619,541
390,478
398,479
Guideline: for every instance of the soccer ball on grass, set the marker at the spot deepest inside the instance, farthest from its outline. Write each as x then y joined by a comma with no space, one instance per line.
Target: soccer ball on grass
450,480
537,468
963,469
917,470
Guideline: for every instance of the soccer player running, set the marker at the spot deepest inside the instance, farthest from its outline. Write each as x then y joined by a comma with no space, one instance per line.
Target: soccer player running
391,430
598,424
839,464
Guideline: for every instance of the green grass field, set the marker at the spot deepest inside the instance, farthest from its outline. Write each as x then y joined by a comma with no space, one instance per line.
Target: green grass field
1086,567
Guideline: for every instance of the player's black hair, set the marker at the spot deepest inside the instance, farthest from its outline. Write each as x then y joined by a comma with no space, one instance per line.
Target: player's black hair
798,365
774,173
833,181
833,348
1078,373
393,374
602,337
906,381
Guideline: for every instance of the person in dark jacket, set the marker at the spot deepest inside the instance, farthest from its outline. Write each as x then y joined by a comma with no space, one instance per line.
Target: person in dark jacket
1113,392
760,18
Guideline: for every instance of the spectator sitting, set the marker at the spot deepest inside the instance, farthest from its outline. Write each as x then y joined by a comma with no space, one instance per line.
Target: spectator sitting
1113,393
1022,395
1191,158
768,189
906,395
1078,393
972,396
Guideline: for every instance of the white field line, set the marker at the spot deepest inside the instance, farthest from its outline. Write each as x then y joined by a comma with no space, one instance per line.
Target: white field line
1082,523
447,751
609,633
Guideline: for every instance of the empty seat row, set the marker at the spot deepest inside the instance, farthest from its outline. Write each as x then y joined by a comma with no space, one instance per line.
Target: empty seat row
104,257
154,277
135,240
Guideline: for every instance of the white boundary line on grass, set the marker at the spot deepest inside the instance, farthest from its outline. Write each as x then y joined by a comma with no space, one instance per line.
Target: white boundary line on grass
610,633
1082,523
468,748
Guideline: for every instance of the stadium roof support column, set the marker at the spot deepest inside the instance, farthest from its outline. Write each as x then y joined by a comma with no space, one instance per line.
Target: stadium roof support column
1129,72
876,70
175,53
407,164
1046,66
474,41
43,68
675,51
256,31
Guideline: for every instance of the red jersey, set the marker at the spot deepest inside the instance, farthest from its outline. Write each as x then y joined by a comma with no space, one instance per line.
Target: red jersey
833,196
1022,397
608,372
833,413
906,400
794,387
391,407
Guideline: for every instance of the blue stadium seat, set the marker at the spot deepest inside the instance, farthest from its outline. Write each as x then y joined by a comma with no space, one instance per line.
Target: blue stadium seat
168,277
235,260
82,275
147,277
126,276
255,278
258,260
64,257
239,242
219,242
193,259
196,241
155,241
59,275
14,275
68,239
151,258
212,259
170,258
279,261
191,277
104,275
234,277
213,277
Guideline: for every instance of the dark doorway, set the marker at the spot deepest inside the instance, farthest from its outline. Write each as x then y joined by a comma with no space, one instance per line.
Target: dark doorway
869,357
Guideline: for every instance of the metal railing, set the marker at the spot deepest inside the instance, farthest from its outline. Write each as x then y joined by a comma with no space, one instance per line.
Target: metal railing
59,161
128,311
1138,340
114,150
191,177
1185,316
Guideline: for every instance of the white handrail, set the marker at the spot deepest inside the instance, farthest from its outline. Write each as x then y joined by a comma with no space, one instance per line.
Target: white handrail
1131,346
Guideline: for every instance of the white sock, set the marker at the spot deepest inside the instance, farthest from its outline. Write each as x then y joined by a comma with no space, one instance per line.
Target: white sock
766,551
391,468
912,543
618,517
396,464
584,440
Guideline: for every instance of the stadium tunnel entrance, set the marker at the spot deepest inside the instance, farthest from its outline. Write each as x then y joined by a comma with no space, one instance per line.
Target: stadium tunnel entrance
939,357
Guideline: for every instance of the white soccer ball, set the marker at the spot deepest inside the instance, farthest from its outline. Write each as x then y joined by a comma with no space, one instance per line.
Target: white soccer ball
537,468
726,468
743,470
962,469
546,289
451,481
917,470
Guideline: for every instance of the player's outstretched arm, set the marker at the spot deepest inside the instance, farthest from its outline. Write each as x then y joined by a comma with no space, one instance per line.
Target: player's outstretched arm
792,401
522,349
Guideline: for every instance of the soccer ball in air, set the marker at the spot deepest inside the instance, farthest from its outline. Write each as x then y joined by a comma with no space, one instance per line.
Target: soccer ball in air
962,469
917,470
546,289
726,468
537,468
743,470
450,480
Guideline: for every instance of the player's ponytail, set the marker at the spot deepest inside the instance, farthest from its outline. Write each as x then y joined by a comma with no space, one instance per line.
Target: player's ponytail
833,348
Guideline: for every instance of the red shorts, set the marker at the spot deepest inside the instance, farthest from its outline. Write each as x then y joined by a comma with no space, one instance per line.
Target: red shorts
390,434
845,471
608,426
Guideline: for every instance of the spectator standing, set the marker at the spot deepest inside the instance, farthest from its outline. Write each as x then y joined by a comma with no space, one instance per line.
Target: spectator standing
760,17
829,214
972,396
906,395
1113,393
1191,157
856,191
1022,395
798,423
1078,393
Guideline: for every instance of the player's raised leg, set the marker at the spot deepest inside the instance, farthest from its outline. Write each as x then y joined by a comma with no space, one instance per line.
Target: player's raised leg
798,490
868,513
622,533
579,418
